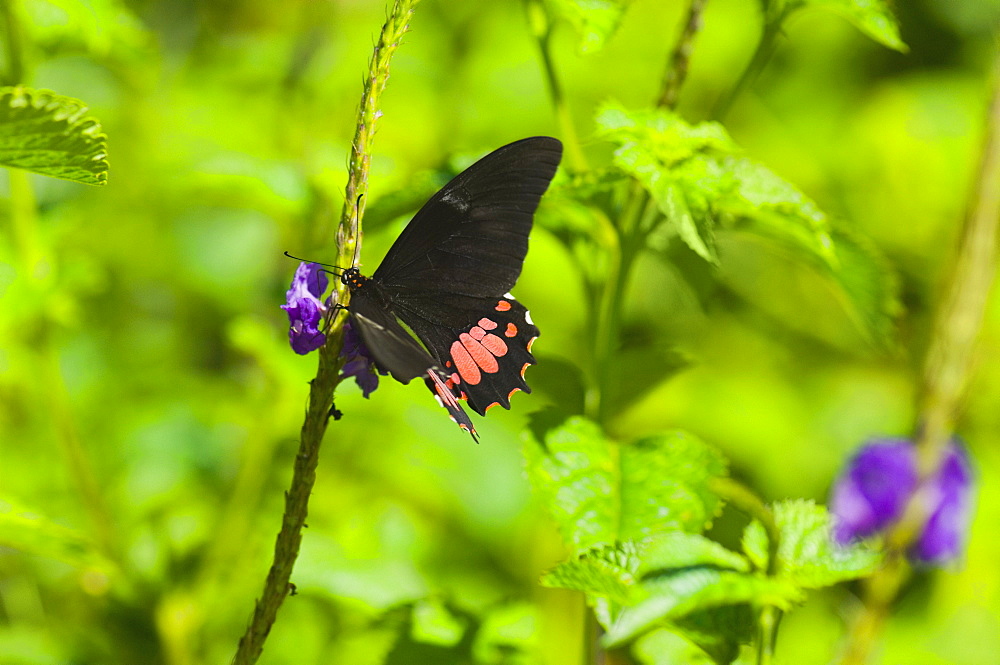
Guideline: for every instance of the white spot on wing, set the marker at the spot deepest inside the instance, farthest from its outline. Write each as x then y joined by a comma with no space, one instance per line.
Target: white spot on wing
509,295
527,317
456,202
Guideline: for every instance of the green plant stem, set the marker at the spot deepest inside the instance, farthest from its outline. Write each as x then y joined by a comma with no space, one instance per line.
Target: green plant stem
680,57
763,52
743,499
286,548
542,29
636,218
948,367
14,73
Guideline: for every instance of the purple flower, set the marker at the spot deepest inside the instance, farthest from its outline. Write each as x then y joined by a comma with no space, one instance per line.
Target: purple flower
950,491
872,493
358,362
304,308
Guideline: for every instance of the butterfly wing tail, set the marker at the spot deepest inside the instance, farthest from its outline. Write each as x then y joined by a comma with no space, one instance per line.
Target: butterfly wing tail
446,398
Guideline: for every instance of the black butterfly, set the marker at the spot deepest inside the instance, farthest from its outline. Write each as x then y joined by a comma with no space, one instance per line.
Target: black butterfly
448,277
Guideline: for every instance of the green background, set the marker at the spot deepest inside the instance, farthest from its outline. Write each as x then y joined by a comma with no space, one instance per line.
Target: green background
149,401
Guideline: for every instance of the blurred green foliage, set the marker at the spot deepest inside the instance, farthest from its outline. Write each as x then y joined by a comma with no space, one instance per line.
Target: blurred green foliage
149,403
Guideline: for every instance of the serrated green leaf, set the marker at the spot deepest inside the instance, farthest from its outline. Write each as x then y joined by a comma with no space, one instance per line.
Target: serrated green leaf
24,530
687,590
594,20
602,493
46,133
769,205
604,571
807,555
434,624
681,550
678,165
870,286
872,17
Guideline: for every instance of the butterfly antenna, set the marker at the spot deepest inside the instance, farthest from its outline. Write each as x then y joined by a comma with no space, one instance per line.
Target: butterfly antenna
328,265
357,226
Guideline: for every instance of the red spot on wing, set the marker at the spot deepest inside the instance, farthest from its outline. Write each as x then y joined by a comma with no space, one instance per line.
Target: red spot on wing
503,306
464,363
494,345
511,330
486,324
477,333
479,353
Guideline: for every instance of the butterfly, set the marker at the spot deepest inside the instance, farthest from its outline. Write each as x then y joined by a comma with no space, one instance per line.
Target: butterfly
448,276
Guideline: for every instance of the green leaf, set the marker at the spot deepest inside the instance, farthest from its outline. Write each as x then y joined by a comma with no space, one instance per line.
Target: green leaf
870,287
607,571
434,624
707,636
872,17
755,543
596,21
602,493
686,590
663,647
678,165
699,184
807,555
850,302
24,530
680,550
720,630
46,133
766,204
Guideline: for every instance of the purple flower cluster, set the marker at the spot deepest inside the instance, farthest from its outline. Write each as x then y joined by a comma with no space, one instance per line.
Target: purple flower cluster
305,313
305,309
872,493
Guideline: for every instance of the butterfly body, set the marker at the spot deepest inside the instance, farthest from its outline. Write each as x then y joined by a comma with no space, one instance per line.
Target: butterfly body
448,276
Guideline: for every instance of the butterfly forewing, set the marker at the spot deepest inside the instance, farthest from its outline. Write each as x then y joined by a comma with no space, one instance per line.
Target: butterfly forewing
472,236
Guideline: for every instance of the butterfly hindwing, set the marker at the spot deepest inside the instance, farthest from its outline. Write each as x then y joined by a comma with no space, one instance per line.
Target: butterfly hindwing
486,359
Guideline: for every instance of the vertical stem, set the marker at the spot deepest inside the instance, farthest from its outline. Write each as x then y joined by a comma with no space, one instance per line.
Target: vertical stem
676,71
286,547
763,52
14,51
636,212
947,369
542,29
